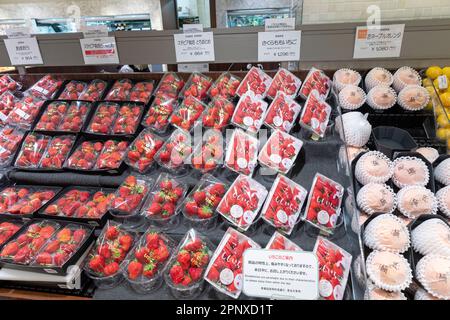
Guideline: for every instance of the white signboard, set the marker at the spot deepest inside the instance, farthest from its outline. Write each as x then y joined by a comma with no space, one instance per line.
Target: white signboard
95,31
279,24
192,28
194,47
279,274
23,51
99,50
279,46
18,32
385,42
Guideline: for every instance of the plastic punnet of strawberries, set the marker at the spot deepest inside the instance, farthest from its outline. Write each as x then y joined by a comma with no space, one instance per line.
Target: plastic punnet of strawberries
52,116
334,267
280,151
147,260
280,242
169,86
24,112
282,113
130,195
249,113
208,154
10,139
110,249
197,86
242,202
33,149
324,203
24,247
7,103
127,119
112,155
68,203
120,90
45,88
62,246
75,117
141,153
97,205
285,82
24,200
255,81
187,266
164,198
8,229
85,156
242,152
225,86
142,91
104,118
224,271
316,80
94,90
188,113
284,204
316,114
175,151
218,113
73,90
157,117
8,83
57,152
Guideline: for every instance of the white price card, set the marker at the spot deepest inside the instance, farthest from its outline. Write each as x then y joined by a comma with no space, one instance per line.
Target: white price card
23,51
385,42
99,50
95,31
194,47
278,274
279,46
18,32
192,28
279,24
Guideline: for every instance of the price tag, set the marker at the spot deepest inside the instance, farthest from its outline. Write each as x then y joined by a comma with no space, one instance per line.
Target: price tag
194,47
385,42
443,82
192,28
279,24
95,31
279,46
19,32
277,274
23,51
99,50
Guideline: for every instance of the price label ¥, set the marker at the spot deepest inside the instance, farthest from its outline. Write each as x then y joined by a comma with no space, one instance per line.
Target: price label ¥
279,46
23,51
194,47
385,42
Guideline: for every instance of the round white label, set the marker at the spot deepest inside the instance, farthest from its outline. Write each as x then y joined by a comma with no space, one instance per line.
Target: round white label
242,163
287,163
226,276
337,292
287,125
249,216
277,121
323,217
236,211
258,123
315,123
325,288
275,158
282,216
248,121
238,281
292,220
333,219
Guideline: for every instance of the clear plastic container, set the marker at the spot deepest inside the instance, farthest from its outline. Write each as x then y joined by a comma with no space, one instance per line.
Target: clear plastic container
286,82
255,81
57,152
75,117
249,112
9,84
73,90
128,118
112,155
280,242
169,86
199,206
242,152
67,204
316,114
94,90
186,267
197,86
208,155
157,117
120,91
284,204
8,229
131,195
33,149
52,116
10,139
25,200
104,118
282,113
175,151
225,86
140,154
142,91
242,202
7,103
316,80
85,155
24,112
188,113
45,88
218,114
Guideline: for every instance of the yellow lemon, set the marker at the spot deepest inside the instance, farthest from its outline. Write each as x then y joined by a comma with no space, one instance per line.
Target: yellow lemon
429,106
445,99
442,133
426,82
442,121
433,72
446,71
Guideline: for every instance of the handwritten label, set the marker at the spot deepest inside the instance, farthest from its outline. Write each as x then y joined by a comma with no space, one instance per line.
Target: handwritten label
194,47
279,46
99,50
385,42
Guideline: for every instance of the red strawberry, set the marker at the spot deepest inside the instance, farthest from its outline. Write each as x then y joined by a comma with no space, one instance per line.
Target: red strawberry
176,274
184,258
213,274
195,273
134,270
111,268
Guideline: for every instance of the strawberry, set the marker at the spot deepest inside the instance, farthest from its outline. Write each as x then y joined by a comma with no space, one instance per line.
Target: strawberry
44,258
186,280
195,273
184,259
199,197
213,274
149,270
176,274
10,249
194,245
134,270
161,254
97,263
112,232
152,240
191,208
126,241
142,255
111,268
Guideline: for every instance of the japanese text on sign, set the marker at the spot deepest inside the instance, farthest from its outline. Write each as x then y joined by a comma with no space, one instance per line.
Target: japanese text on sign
194,47
99,50
280,274
23,51
385,42
279,46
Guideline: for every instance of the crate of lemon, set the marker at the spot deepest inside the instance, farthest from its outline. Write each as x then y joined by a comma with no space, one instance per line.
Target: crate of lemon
437,82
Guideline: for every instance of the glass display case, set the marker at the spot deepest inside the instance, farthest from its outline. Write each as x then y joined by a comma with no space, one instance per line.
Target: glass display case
53,25
126,22
255,17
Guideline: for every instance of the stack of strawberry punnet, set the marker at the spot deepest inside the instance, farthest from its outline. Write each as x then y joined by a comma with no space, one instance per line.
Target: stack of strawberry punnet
316,80
94,90
24,200
131,195
141,153
282,113
242,152
284,82
73,90
225,86
249,113
255,81
316,114
45,88
24,112
8,84
7,103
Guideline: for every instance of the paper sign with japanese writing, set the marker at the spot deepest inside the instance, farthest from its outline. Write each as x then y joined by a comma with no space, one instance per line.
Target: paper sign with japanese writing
23,51
385,42
278,24
194,47
99,31
277,274
99,50
279,46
